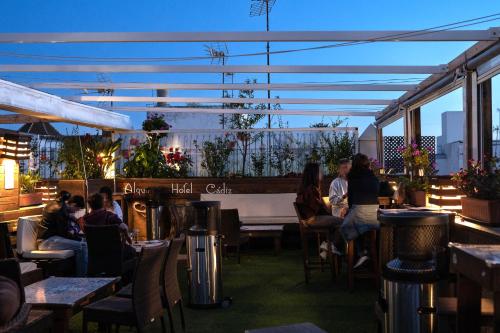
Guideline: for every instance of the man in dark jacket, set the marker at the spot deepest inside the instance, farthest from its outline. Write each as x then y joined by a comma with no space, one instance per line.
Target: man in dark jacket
99,216
56,236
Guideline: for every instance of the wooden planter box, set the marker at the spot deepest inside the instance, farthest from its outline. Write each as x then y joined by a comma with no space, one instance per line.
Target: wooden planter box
418,198
77,186
486,211
30,199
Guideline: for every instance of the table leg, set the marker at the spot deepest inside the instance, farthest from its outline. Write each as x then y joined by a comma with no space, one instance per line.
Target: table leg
61,320
468,305
277,244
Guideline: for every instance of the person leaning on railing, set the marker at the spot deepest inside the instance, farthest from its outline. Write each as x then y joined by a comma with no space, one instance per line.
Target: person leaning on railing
362,197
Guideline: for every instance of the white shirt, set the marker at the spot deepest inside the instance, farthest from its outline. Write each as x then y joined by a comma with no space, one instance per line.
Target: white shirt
338,188
117,210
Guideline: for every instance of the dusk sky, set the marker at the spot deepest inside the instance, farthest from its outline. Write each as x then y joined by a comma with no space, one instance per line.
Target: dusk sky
226,15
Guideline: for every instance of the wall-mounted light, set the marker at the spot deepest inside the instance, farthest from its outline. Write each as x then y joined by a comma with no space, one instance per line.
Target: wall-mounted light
9,174
14,146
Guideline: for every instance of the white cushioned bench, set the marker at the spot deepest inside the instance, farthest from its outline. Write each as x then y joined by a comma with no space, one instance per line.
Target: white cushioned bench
259,209
27,247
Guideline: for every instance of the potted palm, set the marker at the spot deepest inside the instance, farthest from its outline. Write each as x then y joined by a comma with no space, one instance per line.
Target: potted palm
29,195
481,185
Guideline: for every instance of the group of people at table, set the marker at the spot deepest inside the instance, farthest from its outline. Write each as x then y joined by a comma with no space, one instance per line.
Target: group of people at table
63,224
353,203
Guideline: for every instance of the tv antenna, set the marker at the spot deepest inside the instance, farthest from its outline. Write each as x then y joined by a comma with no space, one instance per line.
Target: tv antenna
259,8
102,78
219,54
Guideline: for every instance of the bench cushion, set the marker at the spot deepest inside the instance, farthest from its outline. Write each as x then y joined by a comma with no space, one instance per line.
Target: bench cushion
256,205
27,267
48,254
269,220
27,232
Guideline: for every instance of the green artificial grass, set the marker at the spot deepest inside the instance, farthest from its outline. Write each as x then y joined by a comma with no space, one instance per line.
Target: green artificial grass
269,290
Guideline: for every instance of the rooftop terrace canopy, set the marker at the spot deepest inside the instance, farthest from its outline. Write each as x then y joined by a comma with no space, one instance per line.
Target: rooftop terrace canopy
480,56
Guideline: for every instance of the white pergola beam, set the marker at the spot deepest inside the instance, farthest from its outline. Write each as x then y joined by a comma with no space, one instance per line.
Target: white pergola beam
138,99
246,130
345,113
227,86
34,103
225,69
252,36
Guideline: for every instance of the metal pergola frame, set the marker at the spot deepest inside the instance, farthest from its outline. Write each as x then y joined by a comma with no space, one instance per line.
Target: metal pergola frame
471,70
254,36
306,69
226,86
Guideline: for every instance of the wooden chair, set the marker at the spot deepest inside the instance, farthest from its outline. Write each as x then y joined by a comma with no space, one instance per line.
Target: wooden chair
375,273
172,295
9,268
169,283
231,231
105,252
145,306
306,231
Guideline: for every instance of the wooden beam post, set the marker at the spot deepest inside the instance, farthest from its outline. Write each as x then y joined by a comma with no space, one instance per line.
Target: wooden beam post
471,123
485,109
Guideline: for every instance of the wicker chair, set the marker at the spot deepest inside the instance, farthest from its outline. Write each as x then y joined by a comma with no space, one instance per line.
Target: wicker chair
9,268
171,291
230,229
306,231
169,284
105,250
145,305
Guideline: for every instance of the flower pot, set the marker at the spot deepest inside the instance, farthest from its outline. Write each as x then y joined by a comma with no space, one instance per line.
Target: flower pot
418,198
486,211
30,199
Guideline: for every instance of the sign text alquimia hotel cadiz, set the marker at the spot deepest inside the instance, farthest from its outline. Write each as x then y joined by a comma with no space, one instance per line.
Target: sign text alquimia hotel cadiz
180,188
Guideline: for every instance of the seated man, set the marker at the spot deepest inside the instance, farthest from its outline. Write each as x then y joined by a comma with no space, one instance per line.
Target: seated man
100,216
110,204
57,234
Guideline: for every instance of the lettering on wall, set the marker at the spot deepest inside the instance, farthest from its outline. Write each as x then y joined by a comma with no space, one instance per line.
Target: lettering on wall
179,188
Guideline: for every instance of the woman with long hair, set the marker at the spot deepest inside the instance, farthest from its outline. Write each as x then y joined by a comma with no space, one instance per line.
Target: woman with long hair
362,198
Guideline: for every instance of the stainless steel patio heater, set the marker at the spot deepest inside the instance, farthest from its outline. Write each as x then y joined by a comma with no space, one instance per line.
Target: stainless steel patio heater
410,280
204,255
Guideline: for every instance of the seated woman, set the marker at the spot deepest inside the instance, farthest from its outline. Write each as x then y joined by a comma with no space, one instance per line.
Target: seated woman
363,204
59,235
100,216
110,204
311,204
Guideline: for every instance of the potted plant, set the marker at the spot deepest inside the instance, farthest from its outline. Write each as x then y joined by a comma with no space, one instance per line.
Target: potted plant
29,195
215,155
178,162
148,161
481,185
418,169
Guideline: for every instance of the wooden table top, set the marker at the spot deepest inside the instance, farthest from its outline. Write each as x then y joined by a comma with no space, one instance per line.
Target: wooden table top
140,244
65,291
480,263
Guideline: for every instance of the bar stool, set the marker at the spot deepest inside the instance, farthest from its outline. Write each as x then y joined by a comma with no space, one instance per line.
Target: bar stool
375,273
320,233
